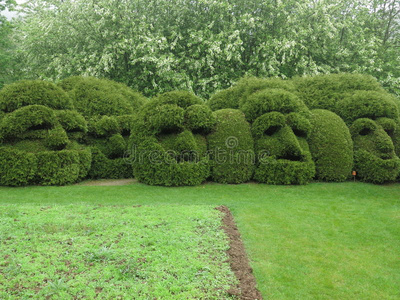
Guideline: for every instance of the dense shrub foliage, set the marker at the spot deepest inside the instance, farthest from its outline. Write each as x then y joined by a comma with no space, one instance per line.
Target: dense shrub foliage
269,100
370,112
324,91
168,140
205,45
231,148
109,108
257,129
280,127
33,92
373,117
331,146
367,104
17,167
92,96
34,131
375,159
237,95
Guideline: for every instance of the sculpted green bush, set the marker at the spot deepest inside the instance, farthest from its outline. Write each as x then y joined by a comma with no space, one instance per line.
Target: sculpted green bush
331,146
33,92
396,134
373,118
237,95
280,125
354,97
231,148
74,123
34,132
93,97
324,91
168,140
109,108
269,100
17,168
108,147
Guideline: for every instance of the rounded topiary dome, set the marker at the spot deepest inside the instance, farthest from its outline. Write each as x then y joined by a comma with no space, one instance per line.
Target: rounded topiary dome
228,98
96,97
331,146
269,100
367,104
323,91
183,99
238,94
33,92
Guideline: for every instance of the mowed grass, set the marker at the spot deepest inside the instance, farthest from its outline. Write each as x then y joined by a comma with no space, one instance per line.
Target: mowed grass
320,241
87,251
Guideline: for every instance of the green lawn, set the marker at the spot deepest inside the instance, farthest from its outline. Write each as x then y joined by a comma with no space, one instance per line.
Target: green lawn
82,251
320,241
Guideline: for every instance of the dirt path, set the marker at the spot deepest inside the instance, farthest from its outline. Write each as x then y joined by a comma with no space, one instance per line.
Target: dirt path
246,289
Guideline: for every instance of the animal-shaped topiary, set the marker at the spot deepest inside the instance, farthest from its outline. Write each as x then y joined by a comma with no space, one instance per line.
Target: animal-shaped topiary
36,140
280,126
231,148
168,140
109,108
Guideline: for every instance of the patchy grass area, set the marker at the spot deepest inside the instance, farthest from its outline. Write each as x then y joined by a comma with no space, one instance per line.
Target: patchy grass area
320,241
87,251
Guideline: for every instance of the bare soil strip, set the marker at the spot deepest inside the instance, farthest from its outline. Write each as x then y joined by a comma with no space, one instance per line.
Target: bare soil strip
246,289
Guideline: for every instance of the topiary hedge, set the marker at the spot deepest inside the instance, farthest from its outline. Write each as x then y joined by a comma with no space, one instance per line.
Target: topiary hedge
23,164
331,146
17,168
236,95
33,92
108,147
168,140
228,98
109,108
373,118
324,91
359,97
280,126
34,129
97,97
44,140
231,148
28,118
73,123
374,156
396,133
269,100
104,167
367,104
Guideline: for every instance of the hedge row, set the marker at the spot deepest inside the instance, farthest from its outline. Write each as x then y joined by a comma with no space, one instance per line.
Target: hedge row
260,129
60,134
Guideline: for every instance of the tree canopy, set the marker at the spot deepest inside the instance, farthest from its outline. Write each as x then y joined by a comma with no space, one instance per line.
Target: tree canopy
206,45
6,57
